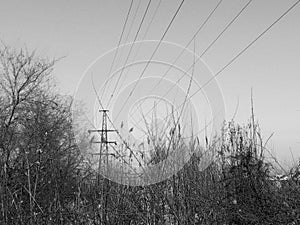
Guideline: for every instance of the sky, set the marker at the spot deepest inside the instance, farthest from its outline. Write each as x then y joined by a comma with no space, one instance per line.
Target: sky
82,31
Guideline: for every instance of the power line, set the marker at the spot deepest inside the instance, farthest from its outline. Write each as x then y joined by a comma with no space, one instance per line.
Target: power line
140,62
246,48
210,45
189,42
225,29
121,36
131,47
258,37
129,31
149,25
164,34
152,18
143,38
133,20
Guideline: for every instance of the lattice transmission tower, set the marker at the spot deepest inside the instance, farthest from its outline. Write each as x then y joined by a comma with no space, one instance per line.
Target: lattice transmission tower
104,144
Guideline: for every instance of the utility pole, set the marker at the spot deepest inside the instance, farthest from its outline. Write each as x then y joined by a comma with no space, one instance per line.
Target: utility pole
103,151
104,142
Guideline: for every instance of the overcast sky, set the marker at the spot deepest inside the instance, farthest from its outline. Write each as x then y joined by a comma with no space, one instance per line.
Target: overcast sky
84,30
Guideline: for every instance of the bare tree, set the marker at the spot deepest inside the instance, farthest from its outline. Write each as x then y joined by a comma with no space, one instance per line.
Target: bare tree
38,153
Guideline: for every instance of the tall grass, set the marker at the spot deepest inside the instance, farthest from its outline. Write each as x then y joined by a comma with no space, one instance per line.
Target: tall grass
46,179
235,188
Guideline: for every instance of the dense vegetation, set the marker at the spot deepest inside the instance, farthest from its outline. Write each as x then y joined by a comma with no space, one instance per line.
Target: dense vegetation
45,179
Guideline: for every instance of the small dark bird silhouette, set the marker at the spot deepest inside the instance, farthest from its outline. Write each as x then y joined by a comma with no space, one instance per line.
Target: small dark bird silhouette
131,129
